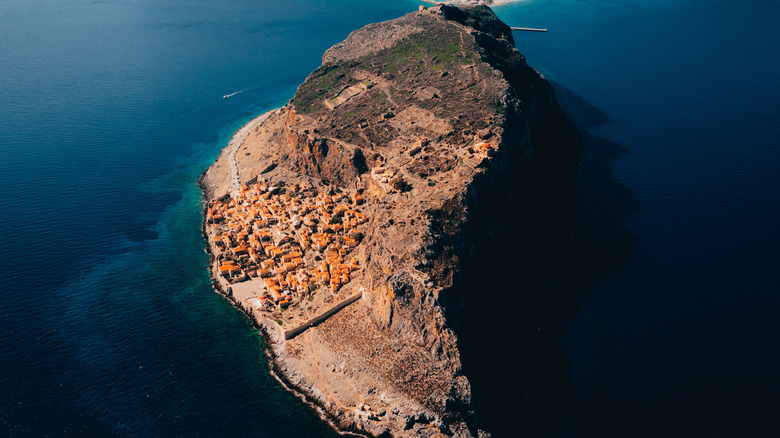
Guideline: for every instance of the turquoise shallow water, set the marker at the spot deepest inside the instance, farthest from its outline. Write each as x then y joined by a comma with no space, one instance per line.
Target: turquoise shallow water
110,111
664,324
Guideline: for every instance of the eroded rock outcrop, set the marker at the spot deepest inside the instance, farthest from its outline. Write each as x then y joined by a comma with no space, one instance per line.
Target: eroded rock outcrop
467,166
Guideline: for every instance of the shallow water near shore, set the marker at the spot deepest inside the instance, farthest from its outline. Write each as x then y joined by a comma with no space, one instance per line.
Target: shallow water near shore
664,324
111,110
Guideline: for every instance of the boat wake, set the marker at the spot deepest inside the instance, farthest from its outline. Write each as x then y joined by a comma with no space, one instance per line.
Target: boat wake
234,94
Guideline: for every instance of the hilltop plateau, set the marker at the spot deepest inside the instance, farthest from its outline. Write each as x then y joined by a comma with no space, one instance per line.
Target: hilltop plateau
396,229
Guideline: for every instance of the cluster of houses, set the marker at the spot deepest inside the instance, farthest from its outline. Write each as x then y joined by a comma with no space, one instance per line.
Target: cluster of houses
292,238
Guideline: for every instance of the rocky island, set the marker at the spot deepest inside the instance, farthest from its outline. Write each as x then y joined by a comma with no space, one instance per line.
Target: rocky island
396,229
472,2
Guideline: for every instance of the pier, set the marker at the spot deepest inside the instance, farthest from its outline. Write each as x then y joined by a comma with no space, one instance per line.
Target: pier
529,29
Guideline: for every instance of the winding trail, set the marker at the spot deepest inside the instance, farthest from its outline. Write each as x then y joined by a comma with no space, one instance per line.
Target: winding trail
238,140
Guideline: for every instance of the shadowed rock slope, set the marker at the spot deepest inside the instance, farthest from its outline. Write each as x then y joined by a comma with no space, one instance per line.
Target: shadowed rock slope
467,166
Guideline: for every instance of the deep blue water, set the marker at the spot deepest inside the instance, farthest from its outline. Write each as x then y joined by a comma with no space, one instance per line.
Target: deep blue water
665,324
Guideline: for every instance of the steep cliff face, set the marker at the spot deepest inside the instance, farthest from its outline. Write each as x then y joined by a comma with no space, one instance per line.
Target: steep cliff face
467,166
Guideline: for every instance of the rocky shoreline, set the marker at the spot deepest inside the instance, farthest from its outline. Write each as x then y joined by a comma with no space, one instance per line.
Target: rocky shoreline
268,331
472,2
453,163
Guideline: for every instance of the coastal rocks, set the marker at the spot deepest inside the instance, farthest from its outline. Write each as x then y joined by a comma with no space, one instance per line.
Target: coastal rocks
462,160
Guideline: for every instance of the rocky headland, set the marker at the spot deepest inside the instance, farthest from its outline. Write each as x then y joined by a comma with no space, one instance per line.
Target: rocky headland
472,2
396,229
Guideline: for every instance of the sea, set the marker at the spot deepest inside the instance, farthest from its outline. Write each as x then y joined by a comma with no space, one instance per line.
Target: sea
666,320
